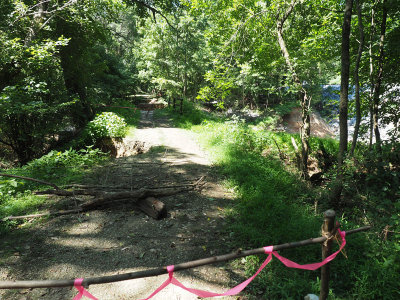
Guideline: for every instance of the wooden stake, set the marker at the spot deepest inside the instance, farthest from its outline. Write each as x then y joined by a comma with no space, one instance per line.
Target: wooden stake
327,230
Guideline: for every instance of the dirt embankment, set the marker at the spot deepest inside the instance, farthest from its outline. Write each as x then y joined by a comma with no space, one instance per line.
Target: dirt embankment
319,128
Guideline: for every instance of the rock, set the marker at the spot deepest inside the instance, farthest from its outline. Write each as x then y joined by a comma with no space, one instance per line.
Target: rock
311,297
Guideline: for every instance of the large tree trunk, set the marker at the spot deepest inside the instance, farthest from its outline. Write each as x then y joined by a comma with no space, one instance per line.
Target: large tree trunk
344,93
356,79
305,100
378,82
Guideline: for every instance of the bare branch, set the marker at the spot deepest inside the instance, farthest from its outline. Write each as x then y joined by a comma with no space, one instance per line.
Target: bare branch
154,11
32,179
286,14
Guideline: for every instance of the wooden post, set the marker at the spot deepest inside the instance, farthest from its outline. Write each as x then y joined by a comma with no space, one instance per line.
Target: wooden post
327,228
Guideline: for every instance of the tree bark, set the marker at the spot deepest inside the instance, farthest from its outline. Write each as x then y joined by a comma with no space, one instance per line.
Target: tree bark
305,100
356,79
377,87
344,93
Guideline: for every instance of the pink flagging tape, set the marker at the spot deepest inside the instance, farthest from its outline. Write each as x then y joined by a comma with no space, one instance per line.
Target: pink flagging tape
82,291
237,289
204,294
290,264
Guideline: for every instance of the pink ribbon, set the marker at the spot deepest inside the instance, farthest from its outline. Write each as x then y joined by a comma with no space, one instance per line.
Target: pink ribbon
82,291
204,294
291,264
237,289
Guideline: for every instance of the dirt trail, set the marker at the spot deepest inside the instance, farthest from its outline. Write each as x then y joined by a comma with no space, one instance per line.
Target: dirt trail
121,239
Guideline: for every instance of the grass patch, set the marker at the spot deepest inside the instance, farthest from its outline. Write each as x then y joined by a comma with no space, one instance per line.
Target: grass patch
192,115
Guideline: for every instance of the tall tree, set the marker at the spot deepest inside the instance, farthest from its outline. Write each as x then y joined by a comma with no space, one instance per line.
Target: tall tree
305,100
344,93
378,82
356,77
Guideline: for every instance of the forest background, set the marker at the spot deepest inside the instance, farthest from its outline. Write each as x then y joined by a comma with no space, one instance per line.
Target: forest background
61,60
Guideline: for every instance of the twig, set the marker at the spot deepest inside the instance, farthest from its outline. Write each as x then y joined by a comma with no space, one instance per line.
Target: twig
57,213
154,11
161,270
281,155
32,179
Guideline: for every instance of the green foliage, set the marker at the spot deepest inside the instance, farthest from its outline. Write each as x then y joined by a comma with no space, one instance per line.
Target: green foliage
107,124
219,88
273,206
45,165
123,109
56,60
173,60
32,104
191,116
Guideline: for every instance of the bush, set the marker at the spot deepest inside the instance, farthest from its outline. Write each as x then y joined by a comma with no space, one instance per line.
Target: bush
107,124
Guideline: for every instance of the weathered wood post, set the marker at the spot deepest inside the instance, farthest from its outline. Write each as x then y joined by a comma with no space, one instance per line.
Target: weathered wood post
327,227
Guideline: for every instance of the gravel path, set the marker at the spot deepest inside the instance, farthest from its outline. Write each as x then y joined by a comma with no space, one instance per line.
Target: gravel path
121,239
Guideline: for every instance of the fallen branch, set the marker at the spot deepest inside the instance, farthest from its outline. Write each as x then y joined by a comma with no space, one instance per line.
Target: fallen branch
161,270
31,179
56,213
200,181
142,198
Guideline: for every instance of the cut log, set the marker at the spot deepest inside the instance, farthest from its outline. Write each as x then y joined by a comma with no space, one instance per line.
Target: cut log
152,207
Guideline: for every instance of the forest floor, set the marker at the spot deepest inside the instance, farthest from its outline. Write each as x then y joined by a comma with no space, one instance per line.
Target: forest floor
121,239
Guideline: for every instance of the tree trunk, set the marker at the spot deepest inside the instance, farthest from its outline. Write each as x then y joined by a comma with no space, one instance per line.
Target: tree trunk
356,79
378,82
344,93
305,100
185,77
371,77
181,107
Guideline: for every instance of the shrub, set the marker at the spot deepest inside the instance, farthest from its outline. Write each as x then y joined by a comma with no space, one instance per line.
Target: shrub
107,124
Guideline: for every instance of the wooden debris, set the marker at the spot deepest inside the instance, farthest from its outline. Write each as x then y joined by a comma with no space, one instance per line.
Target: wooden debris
152,207
144,198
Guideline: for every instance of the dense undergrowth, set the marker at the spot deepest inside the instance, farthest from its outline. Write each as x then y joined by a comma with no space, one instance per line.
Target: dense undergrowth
274,206
66,165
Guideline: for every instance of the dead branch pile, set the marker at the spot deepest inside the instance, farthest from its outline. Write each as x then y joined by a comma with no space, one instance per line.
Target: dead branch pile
144,198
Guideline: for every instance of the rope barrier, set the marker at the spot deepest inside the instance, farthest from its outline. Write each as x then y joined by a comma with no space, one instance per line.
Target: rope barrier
237,289
80,283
